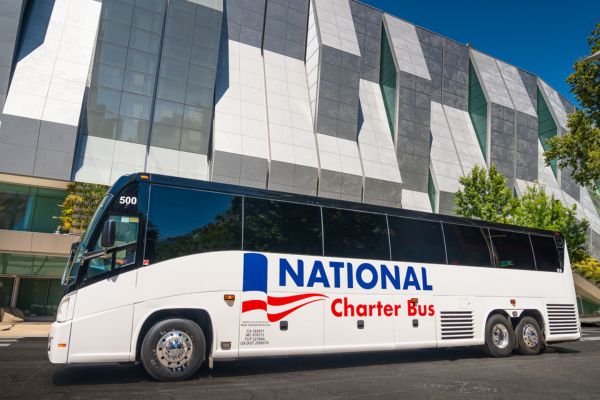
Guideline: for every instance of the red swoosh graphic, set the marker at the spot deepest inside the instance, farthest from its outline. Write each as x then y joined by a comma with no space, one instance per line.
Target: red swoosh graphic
282,301
251,305
278,316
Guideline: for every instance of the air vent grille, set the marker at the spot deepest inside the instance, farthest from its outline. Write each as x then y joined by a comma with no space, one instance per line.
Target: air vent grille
562,319
457,325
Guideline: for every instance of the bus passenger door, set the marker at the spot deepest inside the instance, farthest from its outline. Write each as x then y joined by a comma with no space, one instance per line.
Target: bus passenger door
103,314
415,325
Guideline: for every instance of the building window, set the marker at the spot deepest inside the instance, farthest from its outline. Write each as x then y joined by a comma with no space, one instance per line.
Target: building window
6,288
27,264
478,110
387,81
39,297
431,191
546,127
25,208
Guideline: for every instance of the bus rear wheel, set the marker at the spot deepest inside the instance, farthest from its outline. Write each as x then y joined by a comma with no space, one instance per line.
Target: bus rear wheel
530,340
499,336
173,349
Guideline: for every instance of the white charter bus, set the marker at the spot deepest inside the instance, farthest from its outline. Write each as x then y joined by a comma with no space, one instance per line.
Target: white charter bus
173,273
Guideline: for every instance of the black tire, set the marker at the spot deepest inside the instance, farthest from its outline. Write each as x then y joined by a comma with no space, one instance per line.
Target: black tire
499,336
187,356
530,337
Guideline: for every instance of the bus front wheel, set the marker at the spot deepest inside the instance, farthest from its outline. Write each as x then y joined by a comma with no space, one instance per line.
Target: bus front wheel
530,338
173,349
499,336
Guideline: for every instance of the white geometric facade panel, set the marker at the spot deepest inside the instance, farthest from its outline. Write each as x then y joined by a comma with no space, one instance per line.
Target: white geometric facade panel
556,106
341,170
374,138
445,166
465,139
418,201
546,176
103,161
516,88
406,47
336,27
491,79
176,163
377,152
590,211
240,125
291,135
49,80
569,201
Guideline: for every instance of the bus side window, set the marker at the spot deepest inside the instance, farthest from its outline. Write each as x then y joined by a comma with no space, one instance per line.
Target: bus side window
282,227
546,254
188,221
512,250
467,245
416,240
355,234
125,234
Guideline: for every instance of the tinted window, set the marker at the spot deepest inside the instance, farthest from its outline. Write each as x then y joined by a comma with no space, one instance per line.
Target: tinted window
466,245
415,240
546,254
355,234
184,221
512,250
282,227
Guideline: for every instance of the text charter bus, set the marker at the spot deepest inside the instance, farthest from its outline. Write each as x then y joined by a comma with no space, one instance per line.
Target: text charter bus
173,272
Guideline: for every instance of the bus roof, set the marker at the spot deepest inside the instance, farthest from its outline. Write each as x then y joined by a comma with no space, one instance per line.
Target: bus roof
314,200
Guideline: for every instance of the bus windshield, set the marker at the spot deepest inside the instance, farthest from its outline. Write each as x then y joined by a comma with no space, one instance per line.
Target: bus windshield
72,268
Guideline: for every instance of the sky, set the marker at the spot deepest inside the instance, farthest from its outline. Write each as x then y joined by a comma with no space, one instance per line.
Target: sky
542,37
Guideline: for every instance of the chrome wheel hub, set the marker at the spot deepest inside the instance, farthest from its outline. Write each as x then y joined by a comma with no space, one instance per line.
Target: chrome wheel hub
530,336
174,349
500,336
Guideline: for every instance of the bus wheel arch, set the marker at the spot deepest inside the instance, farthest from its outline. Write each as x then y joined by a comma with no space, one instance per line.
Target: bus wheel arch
200,316
499,334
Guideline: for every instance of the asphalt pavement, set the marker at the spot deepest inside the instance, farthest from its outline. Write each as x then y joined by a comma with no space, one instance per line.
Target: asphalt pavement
565,371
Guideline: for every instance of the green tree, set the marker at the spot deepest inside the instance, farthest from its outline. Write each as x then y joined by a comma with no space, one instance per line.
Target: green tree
580,147
486,196
538,210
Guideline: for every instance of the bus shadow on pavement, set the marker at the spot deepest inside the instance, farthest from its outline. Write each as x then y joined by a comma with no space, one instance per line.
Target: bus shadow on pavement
130,373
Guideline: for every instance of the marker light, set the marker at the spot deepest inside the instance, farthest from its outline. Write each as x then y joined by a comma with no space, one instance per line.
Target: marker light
414,300
62,345
144,177
229,297
513,302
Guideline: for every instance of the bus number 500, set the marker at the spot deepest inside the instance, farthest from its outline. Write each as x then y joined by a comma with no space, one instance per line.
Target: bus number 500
128,200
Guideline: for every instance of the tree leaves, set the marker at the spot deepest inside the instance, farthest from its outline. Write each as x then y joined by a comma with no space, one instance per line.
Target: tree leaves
484,195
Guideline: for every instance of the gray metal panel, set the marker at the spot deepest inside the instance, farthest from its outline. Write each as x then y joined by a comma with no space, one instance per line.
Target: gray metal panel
526,147
432,46
502,141
11,13
413,130
16,159
383,193
293,178
568,184
53,164
337,107
19,130
530,82
368,24
285,27
245,21
455,79
447,204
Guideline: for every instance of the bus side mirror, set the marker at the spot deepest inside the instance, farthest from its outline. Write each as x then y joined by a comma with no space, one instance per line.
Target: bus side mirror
108,234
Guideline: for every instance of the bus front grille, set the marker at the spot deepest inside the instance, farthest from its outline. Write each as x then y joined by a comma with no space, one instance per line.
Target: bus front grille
456,325
562,319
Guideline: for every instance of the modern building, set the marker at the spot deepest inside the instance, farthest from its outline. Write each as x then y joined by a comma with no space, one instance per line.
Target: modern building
324,97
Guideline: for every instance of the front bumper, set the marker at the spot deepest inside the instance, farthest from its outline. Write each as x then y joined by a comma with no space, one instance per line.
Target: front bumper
58,342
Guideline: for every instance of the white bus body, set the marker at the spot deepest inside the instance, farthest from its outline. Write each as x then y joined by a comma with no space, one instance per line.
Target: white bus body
254,303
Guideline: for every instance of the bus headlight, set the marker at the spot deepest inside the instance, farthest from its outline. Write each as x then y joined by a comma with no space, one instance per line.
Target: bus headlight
63,310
